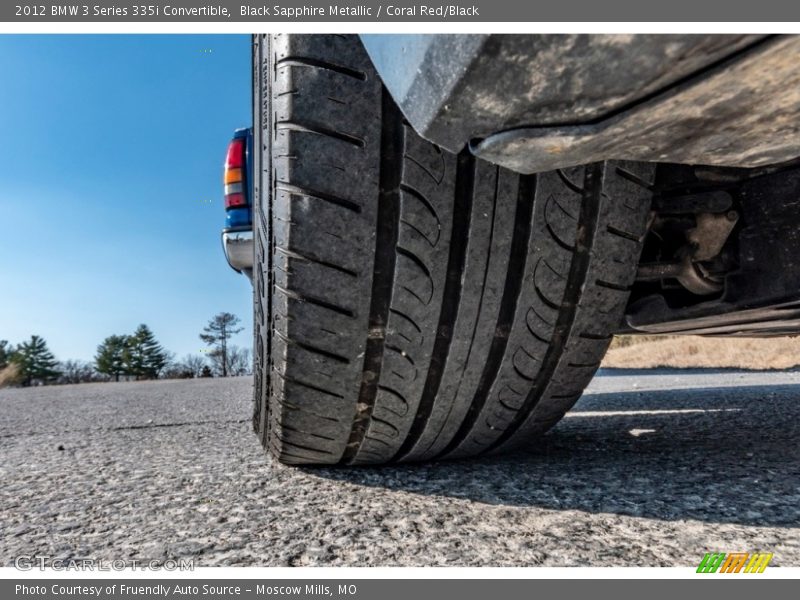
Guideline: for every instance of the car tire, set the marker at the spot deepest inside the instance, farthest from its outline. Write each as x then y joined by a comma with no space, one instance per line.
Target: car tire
412,304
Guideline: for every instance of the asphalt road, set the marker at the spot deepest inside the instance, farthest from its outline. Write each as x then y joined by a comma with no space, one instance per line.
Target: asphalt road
648,470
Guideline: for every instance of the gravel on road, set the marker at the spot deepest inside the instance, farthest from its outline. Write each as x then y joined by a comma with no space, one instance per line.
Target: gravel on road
649,469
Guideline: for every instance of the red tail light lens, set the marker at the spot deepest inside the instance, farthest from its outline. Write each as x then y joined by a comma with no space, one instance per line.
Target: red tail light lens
235,157
234,200
234,176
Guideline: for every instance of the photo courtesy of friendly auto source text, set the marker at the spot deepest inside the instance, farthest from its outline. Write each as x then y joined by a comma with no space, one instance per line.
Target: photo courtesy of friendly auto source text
291,290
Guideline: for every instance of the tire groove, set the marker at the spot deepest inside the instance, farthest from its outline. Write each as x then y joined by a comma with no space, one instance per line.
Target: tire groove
515,274
406,317
387,232
301,297
635,179
451,299
419,232
293,407
623,234
283,426
299,190
417,261
545,300
286,442
612,286
415,193
310,386
587,227
558,240
396,394
305,61
475,324
313,349
315,260
317,129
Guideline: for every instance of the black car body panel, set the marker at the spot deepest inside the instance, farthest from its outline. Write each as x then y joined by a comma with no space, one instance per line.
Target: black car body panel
534,103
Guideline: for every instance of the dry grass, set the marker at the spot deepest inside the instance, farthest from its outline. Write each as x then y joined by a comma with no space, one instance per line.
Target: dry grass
634,352
9,375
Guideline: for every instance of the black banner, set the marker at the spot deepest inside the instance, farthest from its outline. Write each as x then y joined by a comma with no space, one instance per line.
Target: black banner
369,589
438,11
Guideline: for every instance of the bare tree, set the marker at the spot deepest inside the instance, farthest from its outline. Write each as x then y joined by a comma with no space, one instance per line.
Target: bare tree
239,362
192,365
76,371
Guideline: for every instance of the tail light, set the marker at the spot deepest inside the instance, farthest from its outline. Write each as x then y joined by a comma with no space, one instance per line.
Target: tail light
234,178
235,158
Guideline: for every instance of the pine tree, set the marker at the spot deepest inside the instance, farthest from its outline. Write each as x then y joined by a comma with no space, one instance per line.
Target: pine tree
110,358
144,356
216,334
35,361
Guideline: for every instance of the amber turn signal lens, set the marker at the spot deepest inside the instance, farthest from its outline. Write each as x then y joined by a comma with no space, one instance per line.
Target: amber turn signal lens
233,176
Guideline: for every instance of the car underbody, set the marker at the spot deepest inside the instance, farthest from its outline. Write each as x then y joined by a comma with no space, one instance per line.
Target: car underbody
719,114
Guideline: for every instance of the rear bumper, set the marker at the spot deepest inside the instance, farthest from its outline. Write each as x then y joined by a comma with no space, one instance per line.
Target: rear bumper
239,250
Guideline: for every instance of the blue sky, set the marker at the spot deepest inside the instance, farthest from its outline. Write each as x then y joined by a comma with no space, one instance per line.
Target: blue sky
110,198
